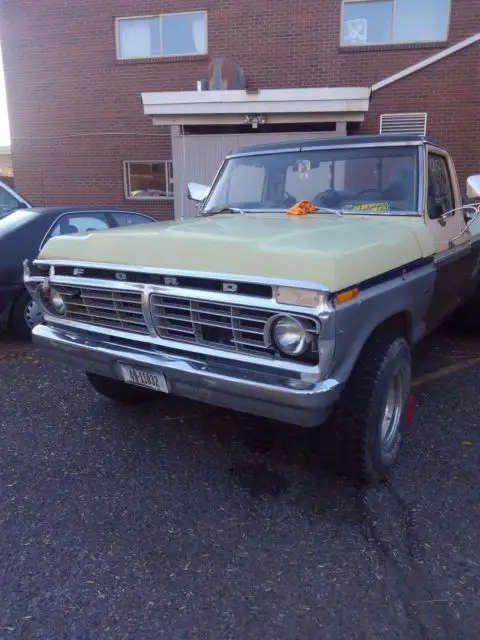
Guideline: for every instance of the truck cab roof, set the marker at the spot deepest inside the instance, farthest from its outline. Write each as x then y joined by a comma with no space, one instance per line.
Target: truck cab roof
338,142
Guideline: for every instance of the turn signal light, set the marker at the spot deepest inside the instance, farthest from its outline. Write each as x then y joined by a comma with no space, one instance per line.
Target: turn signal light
346,296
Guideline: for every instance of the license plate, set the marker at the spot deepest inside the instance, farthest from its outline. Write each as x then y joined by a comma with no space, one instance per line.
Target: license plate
144,378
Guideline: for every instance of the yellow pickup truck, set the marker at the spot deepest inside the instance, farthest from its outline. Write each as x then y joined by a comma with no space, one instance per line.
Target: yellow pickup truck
296,293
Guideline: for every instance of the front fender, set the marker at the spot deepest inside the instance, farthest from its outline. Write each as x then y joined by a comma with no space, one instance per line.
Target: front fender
408,293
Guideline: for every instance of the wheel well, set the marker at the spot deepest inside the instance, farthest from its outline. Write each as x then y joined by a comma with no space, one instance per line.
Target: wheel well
400,323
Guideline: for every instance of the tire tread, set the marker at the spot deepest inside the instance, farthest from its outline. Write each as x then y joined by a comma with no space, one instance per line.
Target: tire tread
353,416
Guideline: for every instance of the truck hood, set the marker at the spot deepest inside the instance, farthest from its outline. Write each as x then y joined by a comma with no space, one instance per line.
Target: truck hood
323,249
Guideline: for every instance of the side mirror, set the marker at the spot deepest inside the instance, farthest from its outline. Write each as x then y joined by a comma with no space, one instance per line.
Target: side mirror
197,192
473,187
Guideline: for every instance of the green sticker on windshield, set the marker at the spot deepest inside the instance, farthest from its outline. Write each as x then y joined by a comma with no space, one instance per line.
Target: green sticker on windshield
381,206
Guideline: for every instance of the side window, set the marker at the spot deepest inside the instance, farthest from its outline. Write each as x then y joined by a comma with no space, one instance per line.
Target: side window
440,192
126,219
79,224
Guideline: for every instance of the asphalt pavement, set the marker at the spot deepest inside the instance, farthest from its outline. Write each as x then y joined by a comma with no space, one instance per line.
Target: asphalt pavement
180,521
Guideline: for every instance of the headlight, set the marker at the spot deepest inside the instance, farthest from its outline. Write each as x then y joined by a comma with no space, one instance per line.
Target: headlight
290,336
53,301
298,297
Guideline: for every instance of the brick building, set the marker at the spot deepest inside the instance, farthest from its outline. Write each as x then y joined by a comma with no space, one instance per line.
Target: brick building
104,105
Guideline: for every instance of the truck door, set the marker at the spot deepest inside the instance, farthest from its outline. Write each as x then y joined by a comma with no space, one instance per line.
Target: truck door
454,257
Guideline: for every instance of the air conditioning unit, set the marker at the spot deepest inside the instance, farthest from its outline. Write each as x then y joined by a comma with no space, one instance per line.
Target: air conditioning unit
404,123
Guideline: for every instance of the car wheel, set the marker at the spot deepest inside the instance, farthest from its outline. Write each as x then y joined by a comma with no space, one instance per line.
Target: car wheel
119,391
375,410
25,316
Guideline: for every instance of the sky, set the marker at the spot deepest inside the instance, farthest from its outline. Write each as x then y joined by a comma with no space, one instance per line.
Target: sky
4,126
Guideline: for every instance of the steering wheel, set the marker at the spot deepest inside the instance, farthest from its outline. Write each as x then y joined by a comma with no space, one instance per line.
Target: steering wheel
287,202
372,190
328,197
288,199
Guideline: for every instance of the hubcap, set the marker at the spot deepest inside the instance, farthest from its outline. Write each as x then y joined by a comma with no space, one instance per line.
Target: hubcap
392,414
32,314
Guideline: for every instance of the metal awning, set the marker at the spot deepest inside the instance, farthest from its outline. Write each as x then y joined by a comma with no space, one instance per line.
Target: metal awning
275,105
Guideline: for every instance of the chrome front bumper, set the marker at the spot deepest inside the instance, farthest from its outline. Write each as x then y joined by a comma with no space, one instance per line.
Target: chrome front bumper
270,395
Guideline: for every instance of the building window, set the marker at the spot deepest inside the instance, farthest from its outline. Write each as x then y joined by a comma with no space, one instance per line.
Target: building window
171,34
367,22
148,180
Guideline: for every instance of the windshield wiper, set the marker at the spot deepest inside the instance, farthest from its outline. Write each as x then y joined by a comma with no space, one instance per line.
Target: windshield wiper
327,210
226,209
221,209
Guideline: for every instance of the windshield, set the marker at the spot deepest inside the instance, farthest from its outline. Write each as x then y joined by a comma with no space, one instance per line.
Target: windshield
14,220
355,180
8,202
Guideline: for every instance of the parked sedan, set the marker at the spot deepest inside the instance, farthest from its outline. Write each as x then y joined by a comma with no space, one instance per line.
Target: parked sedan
23,233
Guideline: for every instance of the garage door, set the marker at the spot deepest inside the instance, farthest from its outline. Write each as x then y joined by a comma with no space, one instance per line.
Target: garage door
197,158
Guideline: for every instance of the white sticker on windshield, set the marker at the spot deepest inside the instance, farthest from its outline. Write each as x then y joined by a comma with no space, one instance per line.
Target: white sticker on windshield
303,168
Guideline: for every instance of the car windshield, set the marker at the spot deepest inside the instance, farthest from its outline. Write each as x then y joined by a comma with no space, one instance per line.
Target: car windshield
6,210
15,219
373,180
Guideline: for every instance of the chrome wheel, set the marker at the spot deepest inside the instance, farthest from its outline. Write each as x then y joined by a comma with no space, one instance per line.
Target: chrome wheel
393,411
32,314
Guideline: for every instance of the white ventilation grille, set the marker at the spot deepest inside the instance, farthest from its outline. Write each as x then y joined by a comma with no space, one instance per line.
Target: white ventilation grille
403,123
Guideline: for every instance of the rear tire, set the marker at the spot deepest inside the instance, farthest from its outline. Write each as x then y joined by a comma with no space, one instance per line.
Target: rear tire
370,420
467,316
119,391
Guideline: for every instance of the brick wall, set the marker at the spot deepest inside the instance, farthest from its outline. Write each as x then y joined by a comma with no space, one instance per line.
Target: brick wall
76,112
446,91
87,169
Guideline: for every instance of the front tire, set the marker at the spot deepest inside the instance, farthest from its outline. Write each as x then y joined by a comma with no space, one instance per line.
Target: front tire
119,391
371,418
25,316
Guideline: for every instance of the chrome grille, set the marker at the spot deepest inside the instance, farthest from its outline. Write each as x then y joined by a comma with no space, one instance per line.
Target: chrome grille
212,323
104,307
